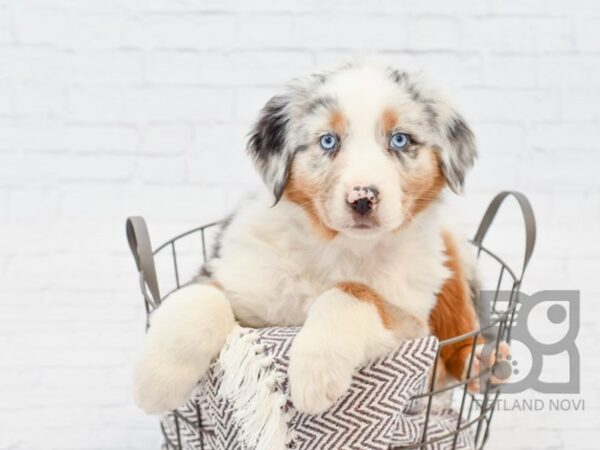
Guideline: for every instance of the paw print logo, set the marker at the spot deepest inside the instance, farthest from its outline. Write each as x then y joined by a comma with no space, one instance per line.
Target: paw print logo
545,326
505,367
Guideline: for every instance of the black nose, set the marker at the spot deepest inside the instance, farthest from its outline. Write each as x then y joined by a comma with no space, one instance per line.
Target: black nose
362,206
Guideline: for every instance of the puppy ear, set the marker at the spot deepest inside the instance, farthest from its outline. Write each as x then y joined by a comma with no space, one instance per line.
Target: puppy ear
455,140
459,152
269,144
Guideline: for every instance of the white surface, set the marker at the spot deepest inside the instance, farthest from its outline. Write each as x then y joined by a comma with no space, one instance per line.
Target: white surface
113,108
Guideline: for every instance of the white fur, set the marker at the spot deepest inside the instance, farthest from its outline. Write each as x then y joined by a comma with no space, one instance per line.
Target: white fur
338,336
273,266
186,333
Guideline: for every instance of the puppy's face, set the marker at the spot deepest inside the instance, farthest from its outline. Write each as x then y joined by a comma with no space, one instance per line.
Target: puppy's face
362,149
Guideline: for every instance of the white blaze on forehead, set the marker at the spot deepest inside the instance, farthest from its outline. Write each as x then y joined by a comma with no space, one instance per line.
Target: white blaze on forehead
362,94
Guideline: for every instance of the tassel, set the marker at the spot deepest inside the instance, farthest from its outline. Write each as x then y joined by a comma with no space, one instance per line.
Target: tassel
253,387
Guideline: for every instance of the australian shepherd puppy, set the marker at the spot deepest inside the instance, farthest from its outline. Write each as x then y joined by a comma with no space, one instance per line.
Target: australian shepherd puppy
349,240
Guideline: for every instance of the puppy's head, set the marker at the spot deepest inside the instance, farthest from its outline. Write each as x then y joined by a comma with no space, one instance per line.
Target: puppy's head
362,149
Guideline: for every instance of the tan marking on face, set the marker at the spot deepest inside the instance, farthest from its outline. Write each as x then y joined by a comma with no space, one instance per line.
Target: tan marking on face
389,120
364,293
454,314
299,191
337,122
423,182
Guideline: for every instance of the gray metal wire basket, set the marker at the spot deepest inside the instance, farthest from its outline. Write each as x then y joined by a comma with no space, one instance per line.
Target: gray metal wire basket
475,411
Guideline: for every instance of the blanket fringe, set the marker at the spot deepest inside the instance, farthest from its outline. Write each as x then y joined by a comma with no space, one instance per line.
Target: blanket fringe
255,391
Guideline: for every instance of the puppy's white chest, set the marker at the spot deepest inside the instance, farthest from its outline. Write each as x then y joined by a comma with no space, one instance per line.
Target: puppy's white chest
307,276
293,296
273,267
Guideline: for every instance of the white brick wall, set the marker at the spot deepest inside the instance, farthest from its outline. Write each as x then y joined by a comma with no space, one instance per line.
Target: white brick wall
112,108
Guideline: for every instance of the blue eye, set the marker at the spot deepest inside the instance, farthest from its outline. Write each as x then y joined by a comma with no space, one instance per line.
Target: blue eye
329,142
399,141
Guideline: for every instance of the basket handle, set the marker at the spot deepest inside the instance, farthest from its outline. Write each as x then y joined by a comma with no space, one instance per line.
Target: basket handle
141,249
528,216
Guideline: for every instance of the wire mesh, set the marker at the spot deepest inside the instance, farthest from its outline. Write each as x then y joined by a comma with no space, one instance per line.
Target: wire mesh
475,410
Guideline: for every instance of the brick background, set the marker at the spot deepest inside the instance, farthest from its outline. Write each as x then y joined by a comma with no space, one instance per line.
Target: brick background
112,108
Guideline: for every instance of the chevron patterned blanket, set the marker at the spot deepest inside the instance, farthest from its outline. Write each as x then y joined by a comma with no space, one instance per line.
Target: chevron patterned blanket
243,403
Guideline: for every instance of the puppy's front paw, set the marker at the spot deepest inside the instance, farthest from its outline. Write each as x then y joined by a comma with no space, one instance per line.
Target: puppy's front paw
317,381
160,386
187,331
317,377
